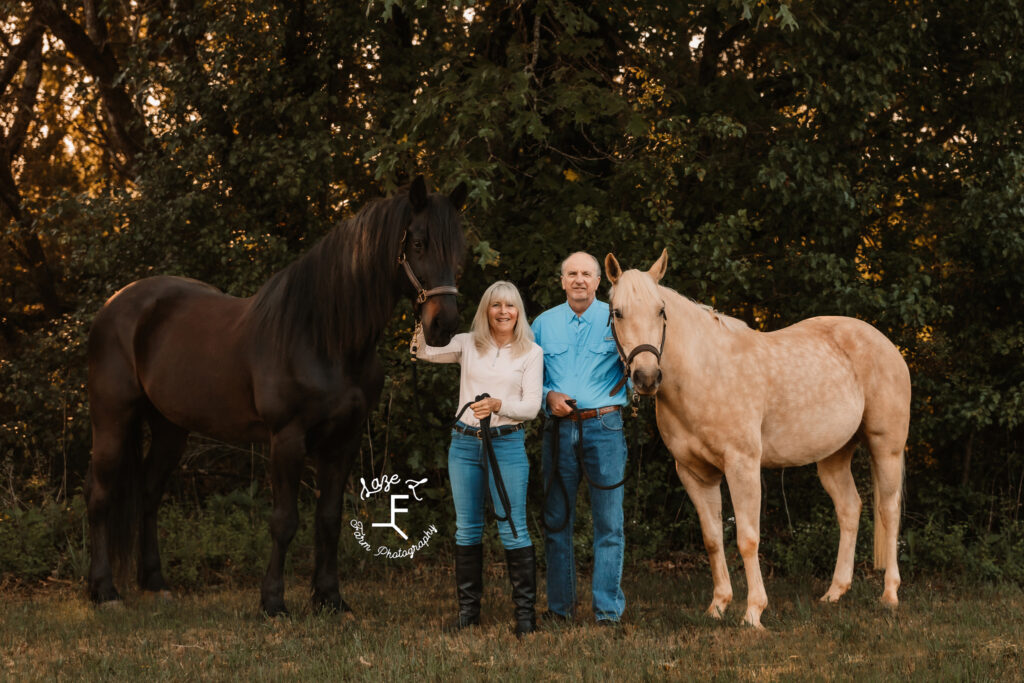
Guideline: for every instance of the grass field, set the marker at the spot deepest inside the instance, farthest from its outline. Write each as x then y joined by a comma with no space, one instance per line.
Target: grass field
941,632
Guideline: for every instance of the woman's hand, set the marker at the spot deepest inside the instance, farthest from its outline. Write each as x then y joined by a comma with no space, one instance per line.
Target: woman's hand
485,407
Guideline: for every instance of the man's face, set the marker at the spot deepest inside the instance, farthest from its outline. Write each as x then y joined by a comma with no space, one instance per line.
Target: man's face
580,280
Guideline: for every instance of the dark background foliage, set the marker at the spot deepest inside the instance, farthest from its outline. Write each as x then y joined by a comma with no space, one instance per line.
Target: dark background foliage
821,157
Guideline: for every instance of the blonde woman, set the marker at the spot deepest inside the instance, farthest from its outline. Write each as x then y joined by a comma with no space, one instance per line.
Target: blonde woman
497,357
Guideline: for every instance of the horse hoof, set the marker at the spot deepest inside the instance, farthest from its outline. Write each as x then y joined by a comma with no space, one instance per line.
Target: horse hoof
753,620
330,604
716,611
104,596
275,609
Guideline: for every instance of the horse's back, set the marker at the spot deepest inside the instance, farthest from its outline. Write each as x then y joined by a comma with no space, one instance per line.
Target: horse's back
178,344
881,371
114,330
880,368
118,323
830,376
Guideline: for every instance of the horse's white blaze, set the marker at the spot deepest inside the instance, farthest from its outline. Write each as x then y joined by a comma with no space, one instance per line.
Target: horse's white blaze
733,400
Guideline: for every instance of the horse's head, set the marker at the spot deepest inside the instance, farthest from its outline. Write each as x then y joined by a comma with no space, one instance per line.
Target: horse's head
638,320
432,253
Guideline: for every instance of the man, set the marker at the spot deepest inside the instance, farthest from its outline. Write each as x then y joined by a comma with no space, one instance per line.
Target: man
581,364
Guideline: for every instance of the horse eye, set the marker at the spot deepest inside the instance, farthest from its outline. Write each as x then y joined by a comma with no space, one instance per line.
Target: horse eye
617,313
417,245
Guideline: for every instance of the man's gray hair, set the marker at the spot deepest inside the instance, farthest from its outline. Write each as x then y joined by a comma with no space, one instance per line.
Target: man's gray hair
597,264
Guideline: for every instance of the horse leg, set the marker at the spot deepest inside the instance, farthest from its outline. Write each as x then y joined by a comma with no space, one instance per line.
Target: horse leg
333,466
705,490
287,449
887,475
836,477
114,438
743,472
166,446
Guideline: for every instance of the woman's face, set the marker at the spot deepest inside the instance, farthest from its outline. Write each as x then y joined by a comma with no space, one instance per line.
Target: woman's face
502,317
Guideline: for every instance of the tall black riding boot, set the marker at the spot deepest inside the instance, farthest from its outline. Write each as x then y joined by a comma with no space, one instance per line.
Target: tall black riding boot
469,583
522,571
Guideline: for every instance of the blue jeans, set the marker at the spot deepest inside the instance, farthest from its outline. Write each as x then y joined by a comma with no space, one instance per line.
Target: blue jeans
604,456
466,471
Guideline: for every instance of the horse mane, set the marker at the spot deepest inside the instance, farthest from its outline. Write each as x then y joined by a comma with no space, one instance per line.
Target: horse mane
643,285
727,321
340,294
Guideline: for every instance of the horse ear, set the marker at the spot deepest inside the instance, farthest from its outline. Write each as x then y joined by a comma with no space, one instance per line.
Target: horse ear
612,268
418,194
657,270
458,196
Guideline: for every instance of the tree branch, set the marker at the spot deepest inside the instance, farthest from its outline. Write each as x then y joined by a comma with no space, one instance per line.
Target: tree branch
127,127
33,34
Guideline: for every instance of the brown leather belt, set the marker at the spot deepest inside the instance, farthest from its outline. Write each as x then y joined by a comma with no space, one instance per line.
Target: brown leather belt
581,415
495,431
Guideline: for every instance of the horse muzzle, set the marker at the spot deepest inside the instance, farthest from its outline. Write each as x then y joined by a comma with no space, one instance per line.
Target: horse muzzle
440,318
647,380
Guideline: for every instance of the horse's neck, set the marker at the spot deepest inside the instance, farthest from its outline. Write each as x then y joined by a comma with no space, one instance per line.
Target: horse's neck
338,307
694,338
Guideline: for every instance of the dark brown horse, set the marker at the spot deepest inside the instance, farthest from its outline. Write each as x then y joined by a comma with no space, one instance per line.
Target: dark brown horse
294,365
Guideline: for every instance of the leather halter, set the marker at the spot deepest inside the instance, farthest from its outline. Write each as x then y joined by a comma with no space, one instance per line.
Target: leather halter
627,360
422,294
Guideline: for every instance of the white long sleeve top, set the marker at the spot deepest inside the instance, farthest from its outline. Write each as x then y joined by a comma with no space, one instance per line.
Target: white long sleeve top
517,382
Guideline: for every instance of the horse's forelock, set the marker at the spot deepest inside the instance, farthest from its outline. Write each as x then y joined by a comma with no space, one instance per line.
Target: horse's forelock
446,241
634,286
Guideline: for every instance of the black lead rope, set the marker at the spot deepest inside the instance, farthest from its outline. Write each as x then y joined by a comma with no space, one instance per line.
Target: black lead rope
578,450
491,464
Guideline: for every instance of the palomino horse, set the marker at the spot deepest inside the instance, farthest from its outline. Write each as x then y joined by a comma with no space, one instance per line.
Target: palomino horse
731,400
294,365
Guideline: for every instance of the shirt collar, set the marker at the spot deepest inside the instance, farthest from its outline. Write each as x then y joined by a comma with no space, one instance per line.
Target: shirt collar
592,313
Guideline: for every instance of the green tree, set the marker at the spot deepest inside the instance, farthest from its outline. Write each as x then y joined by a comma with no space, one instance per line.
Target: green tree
822,157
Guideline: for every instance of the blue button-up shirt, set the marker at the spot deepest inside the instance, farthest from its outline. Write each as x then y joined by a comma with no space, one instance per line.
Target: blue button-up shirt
580,358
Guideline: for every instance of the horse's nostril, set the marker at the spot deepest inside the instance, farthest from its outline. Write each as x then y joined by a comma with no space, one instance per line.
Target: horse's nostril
659,375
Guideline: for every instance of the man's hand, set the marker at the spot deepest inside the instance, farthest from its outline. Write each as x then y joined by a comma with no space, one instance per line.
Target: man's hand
485,407
557,403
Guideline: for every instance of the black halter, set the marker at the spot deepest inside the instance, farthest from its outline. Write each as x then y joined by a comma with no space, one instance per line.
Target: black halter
627,360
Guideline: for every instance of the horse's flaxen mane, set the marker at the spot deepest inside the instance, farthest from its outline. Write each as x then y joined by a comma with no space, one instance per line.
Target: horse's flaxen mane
726,321
340,294
643,286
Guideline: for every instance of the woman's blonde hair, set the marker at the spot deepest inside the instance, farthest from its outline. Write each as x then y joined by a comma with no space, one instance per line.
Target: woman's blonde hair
506,292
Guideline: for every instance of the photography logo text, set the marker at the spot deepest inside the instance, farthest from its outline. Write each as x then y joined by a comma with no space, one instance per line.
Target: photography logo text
398,543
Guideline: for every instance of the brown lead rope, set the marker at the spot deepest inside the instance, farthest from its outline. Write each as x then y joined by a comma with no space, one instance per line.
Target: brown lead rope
579,460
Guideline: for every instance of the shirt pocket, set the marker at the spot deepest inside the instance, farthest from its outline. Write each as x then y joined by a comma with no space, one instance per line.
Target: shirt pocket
554,350
603,346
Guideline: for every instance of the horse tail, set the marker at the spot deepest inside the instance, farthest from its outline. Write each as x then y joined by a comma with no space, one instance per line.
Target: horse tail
123,522
879,525
120,487
880,546
113,486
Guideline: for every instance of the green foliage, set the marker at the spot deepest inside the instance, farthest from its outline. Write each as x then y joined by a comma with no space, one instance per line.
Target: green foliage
227,538
44,541
796,159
